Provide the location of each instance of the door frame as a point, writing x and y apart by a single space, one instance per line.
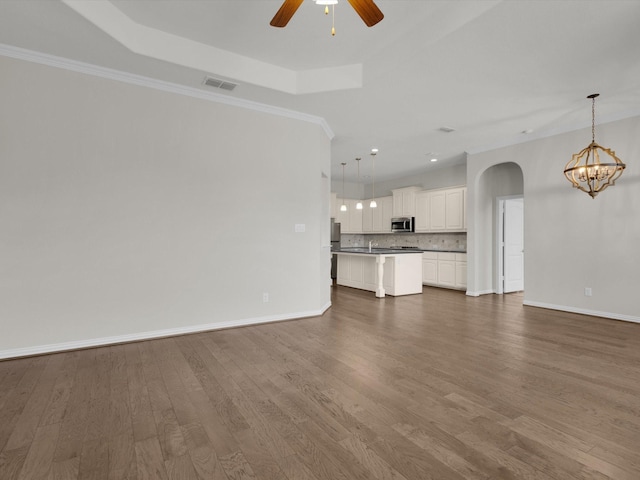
499 241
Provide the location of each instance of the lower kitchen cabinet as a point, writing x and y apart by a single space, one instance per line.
430 268
461 273
445 269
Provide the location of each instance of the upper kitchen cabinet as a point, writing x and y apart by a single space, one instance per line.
377 220
404 201
423 216
367 216
342 217
455 208
447 209
355 217
441 210
382 215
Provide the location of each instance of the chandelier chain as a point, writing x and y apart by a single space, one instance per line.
593 119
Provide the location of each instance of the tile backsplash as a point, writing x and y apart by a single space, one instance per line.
456 242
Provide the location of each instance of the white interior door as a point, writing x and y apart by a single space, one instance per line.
513 245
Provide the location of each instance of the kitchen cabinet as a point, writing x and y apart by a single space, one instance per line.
441 210
404 201
355 217
367 217
437 209
445 269
454 208
423 216
382 215
351 220
461 271
342 217
377 220
446 209
430 268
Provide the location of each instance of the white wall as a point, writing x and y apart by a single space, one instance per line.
127 211
571 240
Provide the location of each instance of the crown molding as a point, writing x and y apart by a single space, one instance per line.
142 81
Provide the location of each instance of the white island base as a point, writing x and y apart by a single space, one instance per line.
384 274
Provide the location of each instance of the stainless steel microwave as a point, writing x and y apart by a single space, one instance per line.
402 224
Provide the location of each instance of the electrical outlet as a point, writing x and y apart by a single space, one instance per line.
587 291
265 297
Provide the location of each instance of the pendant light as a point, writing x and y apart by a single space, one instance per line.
593 176
359 204
343 207
373 203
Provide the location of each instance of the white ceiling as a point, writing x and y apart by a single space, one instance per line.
488 69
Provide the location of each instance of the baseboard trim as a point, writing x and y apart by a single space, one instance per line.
480 292
170 332
583 311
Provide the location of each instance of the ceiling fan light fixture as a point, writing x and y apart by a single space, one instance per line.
366 9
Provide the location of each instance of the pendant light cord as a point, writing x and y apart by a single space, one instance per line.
373 175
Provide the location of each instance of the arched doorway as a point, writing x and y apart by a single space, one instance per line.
495 186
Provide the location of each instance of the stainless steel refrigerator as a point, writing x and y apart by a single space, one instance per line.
335 245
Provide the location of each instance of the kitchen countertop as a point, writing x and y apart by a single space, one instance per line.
376 251
390 251
443 251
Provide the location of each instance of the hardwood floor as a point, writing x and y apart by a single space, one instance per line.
435 386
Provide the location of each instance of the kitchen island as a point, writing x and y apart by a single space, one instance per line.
380 270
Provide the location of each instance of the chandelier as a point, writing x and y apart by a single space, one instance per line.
586 171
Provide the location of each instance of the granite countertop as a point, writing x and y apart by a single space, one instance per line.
443 251
377 251
391 250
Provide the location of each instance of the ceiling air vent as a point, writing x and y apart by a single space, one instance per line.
217 83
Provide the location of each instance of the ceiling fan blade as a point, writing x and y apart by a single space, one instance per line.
282 16
368 11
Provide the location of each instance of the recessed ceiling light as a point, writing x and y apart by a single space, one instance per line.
374 150
434 159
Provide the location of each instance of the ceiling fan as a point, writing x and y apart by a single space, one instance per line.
368 11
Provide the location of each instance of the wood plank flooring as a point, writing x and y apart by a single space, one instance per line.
435 386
